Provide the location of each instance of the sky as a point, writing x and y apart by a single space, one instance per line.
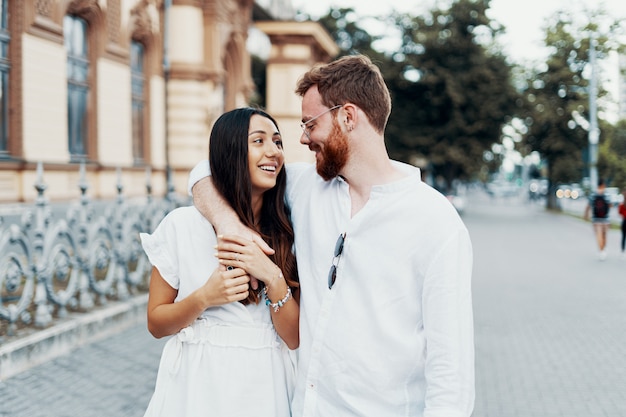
523 19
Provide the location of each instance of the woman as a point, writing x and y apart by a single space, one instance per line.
230 355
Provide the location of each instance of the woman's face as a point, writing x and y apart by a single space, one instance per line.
265 153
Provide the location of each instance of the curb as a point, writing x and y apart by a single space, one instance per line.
84 328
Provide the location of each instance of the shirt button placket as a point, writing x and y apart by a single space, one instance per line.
310 399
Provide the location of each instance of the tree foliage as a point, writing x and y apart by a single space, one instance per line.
453 96
462 96
451 92
612 154
557 95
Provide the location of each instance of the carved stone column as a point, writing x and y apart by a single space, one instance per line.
296 47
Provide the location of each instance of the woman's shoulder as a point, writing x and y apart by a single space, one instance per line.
186 217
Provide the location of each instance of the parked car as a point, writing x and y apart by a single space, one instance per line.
537 188
457 201
572 191
613 195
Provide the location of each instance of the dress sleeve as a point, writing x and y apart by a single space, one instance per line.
160 247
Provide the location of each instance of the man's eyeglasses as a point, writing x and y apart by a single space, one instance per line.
304 126
332 274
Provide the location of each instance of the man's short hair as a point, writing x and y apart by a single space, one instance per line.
351 79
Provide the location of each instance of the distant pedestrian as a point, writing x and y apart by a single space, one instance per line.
599 207
622 211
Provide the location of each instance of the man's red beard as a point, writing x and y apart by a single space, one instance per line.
333 156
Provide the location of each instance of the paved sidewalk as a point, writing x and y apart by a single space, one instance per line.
550 324
109 378
549 317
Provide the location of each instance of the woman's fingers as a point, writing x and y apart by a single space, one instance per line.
236 284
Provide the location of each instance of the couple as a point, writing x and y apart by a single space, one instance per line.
382 285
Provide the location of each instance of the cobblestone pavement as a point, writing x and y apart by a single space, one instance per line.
549 316
109 378
549 325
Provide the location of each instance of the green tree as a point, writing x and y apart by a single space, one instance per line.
450 86
612 154
452 91
343 26
557 96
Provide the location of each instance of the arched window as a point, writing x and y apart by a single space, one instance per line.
75 35
4 78
138 97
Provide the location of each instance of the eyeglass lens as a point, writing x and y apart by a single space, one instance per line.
304 126
332 274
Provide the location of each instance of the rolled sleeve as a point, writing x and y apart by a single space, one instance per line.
201 170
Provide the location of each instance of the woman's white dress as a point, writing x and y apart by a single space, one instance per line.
228 363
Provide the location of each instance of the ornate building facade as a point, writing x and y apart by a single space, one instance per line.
134 86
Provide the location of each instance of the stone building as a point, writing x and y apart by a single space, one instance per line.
133 87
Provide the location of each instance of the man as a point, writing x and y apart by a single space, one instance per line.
599 206
384 261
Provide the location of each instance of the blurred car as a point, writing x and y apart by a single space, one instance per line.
501 188
613 195
572 191
457 201
537 188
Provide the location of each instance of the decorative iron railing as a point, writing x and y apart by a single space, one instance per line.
51 266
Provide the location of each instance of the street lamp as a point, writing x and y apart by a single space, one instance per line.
593 133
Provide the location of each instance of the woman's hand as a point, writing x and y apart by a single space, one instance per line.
224 286
212 205
238 252
166 317
235 251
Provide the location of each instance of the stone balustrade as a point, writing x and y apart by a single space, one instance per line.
88 258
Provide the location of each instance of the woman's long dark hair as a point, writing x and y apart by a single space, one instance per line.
228 156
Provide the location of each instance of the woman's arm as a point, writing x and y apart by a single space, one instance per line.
286 319
166 317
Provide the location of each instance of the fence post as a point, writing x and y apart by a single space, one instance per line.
85 299
42 311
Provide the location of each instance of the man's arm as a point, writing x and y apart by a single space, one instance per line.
212 205
221 215
449 329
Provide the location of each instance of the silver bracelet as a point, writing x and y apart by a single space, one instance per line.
278 304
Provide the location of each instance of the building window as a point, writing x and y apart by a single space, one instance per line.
4 78
138 97
75 34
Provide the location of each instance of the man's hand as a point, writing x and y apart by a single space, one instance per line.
237 252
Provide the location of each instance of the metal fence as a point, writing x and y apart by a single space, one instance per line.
51 266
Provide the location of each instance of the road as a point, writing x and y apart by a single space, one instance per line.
550 324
